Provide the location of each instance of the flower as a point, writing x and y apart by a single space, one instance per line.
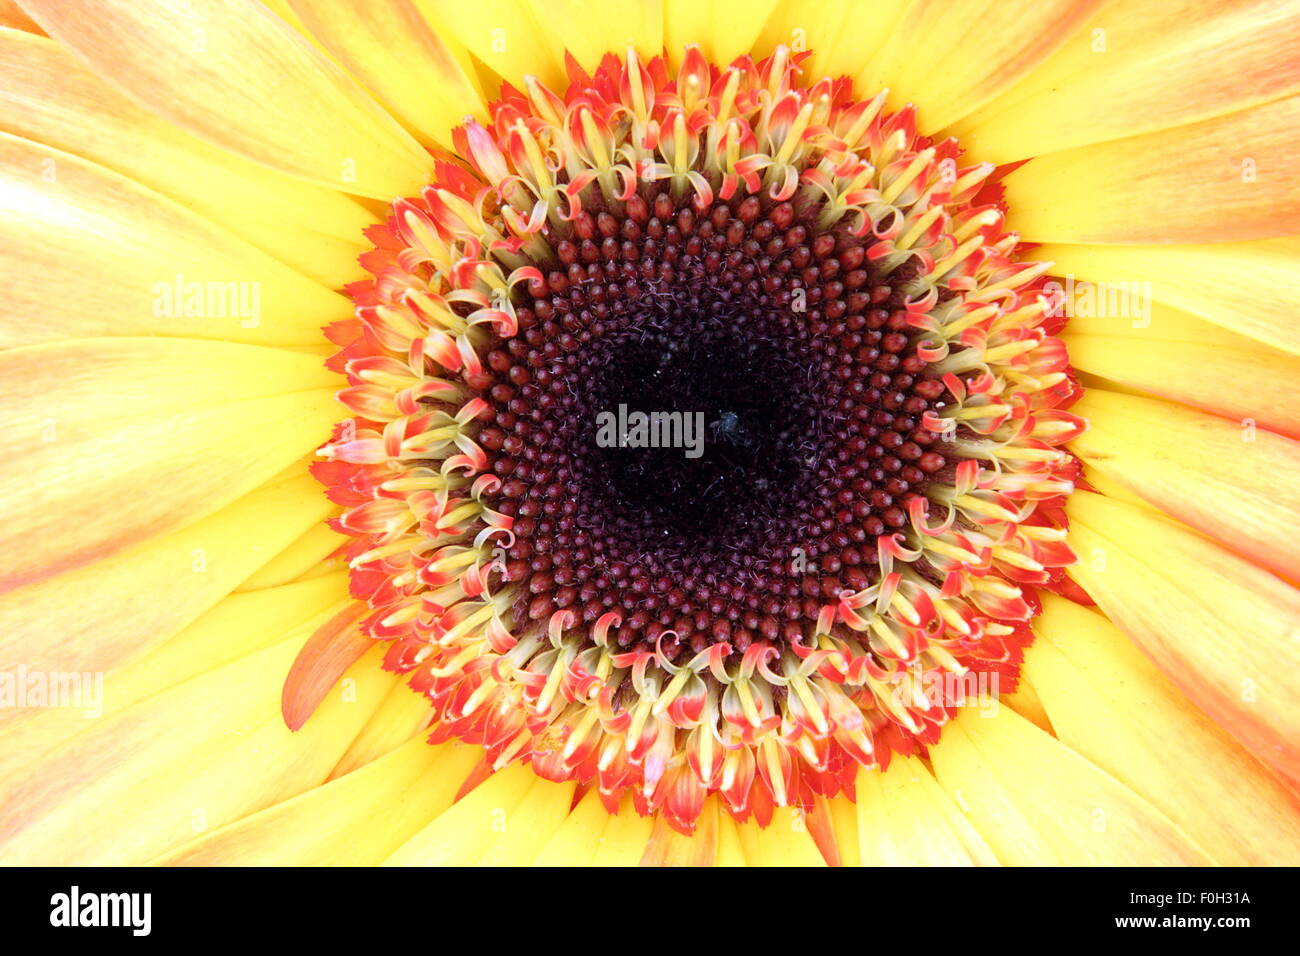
971 538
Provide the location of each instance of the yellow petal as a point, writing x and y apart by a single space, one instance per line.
905 819
526 831
1242 169
590 30
1101 484
50 98
355 820
166 442
403 714
425 82
469 827
89 252
1038 803
1025 702
1236 483
505 35
188 760
1266 271
575 840
1180 357
784 842
305 557
1139 66
624 839
1111 705
110 612
233 73
724 29
926 58
730 851
837 36
844 819
237 627
1221 628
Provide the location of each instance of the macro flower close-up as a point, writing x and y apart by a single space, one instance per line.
650 432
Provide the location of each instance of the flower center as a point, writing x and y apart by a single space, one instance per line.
706 439
782 404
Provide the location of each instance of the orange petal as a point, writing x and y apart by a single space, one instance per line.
233 73
1139 66
1233 177
1223 629
336 646
667 847
12 16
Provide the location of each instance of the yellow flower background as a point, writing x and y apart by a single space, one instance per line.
163 542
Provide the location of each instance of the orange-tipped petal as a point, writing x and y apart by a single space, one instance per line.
356 820
165 423
1222 628
50 98
1233 177
1012 41
110 612
427 83
235 74
1110 704
1139 66
194 758
1265 272
1235 482
90 253
1038 803
1165 352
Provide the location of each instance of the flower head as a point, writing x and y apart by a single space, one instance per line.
708 470
883 469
